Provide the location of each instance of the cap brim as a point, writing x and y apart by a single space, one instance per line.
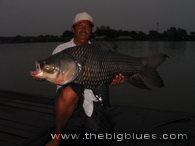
78 22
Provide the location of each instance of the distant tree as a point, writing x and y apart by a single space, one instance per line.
134 35
141 35
154 35
68 34
192 33
192 36
176 34
18 36
123 33
164 35
106 31
172 33
181 34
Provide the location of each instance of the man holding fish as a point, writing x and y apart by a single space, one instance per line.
76 107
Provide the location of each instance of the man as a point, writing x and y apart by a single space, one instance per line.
70 101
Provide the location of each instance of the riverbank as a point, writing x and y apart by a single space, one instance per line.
50 38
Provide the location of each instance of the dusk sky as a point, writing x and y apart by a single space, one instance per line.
53 17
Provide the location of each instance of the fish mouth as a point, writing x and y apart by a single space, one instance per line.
38 72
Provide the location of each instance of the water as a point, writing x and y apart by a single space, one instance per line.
178 72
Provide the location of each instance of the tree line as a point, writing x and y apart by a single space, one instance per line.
107 33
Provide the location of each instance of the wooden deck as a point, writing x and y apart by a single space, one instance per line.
25 119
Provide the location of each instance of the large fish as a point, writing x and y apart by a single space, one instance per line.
96 64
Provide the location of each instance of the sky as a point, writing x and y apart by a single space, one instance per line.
53 17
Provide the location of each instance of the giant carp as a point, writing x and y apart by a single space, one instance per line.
95 64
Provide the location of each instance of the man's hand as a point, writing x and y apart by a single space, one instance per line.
118 80
36 78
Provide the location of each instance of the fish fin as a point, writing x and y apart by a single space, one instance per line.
150 74
138 82
108 46
155 60
153 77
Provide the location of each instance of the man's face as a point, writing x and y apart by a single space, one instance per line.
82 31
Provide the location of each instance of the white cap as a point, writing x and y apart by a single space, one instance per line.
84 16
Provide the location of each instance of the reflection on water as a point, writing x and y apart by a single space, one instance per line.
17 60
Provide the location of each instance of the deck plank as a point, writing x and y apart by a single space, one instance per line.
24 112
29 107
15 131
3 99
25 118
10 139
15 125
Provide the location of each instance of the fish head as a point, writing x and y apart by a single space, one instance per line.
57 69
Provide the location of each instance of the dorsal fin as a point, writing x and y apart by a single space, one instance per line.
107 46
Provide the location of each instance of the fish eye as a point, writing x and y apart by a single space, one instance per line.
46 67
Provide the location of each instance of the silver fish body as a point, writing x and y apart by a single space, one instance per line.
94 65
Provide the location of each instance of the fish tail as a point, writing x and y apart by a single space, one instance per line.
150 73
155 60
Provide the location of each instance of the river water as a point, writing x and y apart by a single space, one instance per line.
17 60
